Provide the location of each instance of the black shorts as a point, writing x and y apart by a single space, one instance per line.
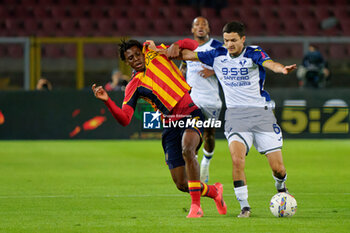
172 140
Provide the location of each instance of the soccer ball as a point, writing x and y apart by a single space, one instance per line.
283 205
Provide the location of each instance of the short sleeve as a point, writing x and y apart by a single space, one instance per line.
207 57
258 55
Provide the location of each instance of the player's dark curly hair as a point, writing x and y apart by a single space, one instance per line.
127 44
234 26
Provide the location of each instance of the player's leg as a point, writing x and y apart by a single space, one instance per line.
179 177
208 150
209 141
195 187
238 151
190 142
279 171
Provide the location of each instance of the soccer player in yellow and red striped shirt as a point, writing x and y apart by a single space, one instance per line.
157 80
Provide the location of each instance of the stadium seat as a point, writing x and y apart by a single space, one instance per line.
302 3
345 27
92 51
86 27
21 12
324 2
15 51
137 3
58 12
273 27
77 12
208 13
229 14
284 3
106 27
49 27
268 13
98 13
124 27
304 13
181 27
255 28
51 51
156 3
67 2
337 51
280 51
109 51
216 25
40 12
189 13
291 27
68 27
311 28
135 13
152 12
70 50
116 13
286 13
31 27
250 3
142 27
341 2
85 2
162 27
342 13
4 12
268 3
295 50
322 12
170 12
14 26
248 14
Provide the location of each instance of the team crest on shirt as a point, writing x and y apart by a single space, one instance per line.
242 62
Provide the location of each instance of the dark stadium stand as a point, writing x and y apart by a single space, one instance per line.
167 18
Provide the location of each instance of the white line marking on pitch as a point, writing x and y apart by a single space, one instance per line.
148 195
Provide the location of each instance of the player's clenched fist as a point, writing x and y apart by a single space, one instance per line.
100 93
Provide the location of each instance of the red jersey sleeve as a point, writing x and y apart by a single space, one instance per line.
187 44
123 115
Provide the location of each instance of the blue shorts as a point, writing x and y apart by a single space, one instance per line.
172 141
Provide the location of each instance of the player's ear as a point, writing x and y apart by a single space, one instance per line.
243 39
192 31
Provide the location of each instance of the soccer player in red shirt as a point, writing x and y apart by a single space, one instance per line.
157 80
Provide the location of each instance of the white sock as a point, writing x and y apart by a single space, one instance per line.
207 155
280 183
242 196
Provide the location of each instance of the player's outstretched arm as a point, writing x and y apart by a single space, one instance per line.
123 116
278 67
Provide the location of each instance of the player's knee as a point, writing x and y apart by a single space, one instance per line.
237 159
188 152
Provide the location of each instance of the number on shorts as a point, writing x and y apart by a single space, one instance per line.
276 128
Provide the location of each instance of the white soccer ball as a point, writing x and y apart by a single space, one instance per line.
283 205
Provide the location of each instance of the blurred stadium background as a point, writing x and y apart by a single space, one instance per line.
73 43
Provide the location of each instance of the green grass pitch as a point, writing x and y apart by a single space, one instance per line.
125 186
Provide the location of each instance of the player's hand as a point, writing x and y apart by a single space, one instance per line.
288 69
173 51
151 45
206 73
100 93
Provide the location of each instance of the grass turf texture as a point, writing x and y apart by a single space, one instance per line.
125 186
